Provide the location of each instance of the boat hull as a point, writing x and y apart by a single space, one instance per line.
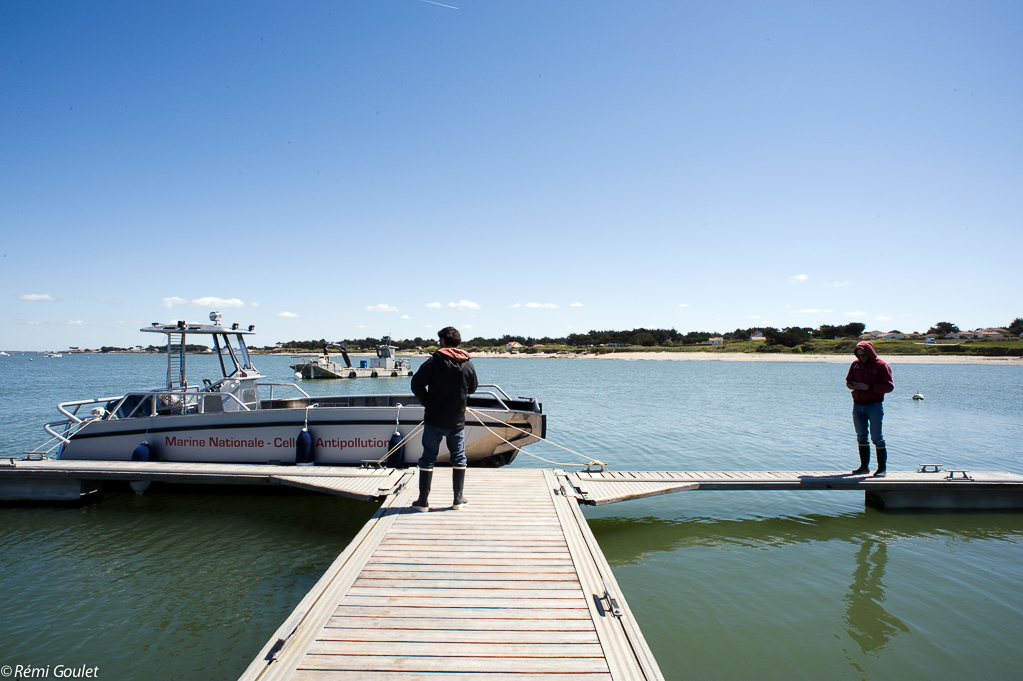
341 436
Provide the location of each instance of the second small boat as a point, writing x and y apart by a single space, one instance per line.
385 364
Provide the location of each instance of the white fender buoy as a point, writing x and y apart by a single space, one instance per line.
139 486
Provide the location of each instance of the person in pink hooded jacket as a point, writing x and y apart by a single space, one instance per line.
869 378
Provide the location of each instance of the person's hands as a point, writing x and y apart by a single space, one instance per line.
861 386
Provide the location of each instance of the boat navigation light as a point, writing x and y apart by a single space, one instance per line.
215 317
234 327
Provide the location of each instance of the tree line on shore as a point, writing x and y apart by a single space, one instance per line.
788 337
641 337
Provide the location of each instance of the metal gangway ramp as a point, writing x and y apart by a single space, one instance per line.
513 586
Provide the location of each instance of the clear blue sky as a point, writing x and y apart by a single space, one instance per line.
351 169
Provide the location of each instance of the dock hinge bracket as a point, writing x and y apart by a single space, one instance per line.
286 634
612 599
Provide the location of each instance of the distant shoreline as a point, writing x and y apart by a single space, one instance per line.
762 357
649 356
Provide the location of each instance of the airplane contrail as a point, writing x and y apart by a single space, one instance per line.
439 3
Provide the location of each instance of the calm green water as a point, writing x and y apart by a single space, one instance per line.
726 585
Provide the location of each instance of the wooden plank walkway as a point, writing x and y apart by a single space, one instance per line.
513 586
608 487
356 483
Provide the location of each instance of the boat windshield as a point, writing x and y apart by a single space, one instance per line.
234 351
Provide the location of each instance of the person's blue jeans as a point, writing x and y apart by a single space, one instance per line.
431 444
867 419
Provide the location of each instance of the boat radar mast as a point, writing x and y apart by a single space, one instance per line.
229 343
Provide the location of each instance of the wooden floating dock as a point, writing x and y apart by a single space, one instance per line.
927 488
66 480
514 586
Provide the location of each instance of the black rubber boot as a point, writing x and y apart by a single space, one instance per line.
425 478
882 461
458 484
864 461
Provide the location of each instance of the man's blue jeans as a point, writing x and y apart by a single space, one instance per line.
867 419
431 444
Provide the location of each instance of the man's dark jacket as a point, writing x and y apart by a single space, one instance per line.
443 385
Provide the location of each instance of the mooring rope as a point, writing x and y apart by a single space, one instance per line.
590 461
401 442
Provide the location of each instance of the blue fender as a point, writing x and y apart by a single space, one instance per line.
304 449
397 457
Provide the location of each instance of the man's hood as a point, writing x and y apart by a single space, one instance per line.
456 354
869 347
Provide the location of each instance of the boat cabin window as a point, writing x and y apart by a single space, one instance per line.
235 351
242 352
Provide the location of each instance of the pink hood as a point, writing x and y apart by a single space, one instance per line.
869 347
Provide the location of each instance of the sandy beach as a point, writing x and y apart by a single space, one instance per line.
765 357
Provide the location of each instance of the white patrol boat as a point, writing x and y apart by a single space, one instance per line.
237 418
385 364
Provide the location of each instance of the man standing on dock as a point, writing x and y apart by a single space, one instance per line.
869 378
443 385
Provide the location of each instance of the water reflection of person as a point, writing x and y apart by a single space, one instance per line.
867 622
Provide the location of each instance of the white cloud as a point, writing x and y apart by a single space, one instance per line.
173 301
75 322
839 284
128 321
287 315
464 305
756 316
798 279
364 326
434 306
854 314
516 305
212 301
543 306
683 304
405 316
812 310
882 319
253 304
576 305
467 326
36 297
382 307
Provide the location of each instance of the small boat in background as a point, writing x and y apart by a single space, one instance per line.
385 364
52 354
918 396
